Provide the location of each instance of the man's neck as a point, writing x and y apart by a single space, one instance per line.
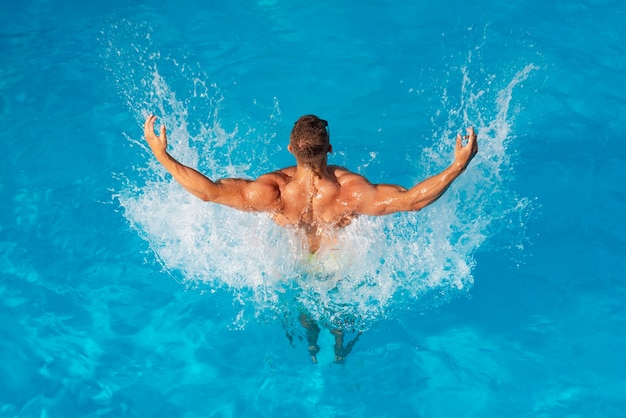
308 170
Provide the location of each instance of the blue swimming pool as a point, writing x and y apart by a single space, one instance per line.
123 296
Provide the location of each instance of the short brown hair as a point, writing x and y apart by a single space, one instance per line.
309 139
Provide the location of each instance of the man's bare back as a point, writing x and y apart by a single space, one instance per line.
313 197
316 202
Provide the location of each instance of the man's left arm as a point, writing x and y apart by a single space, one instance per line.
384 199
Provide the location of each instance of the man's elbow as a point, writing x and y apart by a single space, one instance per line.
204 196
419 205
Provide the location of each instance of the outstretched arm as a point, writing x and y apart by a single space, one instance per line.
384 199
258 195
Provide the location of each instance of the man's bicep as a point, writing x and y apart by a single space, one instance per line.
382 199
231 192
258 195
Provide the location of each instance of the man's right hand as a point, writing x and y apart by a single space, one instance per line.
158 144
463 154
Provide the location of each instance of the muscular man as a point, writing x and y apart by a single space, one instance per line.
312 196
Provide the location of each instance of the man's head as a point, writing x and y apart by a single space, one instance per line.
309 141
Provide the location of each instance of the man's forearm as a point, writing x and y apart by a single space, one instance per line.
431 189
193 181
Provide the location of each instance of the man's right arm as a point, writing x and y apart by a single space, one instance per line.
260 195
192 180
384 199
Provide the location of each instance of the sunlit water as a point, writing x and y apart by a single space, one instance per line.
122 295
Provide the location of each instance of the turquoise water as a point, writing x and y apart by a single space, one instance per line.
123 296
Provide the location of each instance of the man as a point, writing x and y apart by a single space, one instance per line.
313 197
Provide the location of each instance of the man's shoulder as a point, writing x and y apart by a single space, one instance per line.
287 171
349 179
338 170
344 173
278 175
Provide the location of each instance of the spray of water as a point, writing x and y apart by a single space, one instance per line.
379 265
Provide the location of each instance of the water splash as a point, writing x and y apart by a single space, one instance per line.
379 264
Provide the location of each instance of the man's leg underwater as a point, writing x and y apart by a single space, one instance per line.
338 344
342 352
312 334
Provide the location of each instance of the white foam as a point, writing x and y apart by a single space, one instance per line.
383 264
